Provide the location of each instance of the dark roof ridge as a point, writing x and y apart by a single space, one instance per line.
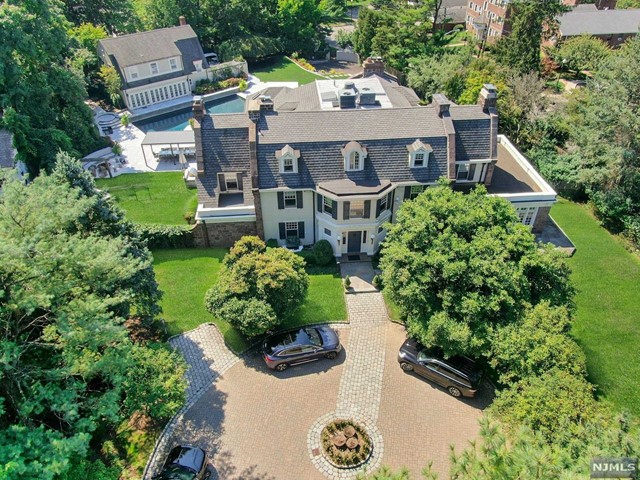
148 31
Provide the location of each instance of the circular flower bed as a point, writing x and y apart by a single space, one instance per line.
346 444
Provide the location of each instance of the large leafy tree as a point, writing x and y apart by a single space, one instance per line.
42 98
115 15
583 52
70 275
530 20
461 266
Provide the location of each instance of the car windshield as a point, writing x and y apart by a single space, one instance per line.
314 336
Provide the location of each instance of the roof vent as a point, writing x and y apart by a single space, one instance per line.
349 85
347 98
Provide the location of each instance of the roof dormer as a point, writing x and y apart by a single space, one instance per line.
354 155
419 154
288 159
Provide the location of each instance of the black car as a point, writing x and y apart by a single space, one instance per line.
300 345
185 463
459 375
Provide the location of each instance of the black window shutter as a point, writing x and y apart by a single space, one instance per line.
378 208
319 198
367 208
280 200
283 232
334 209
300 229
239 176
407 192
299 198
345 210
222 185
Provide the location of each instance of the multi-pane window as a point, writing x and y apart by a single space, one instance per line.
287 165
290 200
291 229
383 204
527 215
418 160
327 205
354 161
154 68
173 63
356 209
415 191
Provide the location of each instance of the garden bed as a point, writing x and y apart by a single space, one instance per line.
346 444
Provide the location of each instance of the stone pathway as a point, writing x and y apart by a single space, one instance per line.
207 357
360 388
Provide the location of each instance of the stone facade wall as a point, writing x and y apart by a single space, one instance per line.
221 234
541 219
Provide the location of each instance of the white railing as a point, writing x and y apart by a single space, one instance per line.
242 213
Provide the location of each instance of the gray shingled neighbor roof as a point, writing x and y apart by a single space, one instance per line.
7 152
599 22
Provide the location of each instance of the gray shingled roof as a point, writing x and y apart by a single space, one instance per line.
144 47
599 22
7 152
346 125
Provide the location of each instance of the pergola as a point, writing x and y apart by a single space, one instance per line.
180 141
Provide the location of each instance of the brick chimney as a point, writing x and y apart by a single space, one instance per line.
488 98
198 115
441 102
182 20
373 65
198 107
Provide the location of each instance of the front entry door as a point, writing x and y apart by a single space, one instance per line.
353 242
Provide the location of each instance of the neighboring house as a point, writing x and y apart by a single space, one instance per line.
613 27
7 151
452 13
491 19
335 160
157 65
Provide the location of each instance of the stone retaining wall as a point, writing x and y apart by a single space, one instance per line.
221 234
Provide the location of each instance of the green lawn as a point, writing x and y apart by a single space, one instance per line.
607 324
159 197
283 70
186 274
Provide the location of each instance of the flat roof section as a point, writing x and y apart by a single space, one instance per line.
510 177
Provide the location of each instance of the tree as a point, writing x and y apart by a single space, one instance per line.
112 83
115 15
520 50
66 288
624 4
42 98
462 266
440 74
537 343
583 52
252 273
299 22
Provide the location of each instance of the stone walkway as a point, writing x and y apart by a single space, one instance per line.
207 357
360 388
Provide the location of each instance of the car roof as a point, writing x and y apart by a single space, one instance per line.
186 456
289 338
464 365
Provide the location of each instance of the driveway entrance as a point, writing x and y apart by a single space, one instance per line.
354 242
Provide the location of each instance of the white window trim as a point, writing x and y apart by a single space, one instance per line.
324 205
353 213
151 68
294 162
292 196
425 163
468 166
290 227
133 73
350 149
173 64
234 179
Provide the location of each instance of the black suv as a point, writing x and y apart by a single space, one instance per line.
185 463
459 375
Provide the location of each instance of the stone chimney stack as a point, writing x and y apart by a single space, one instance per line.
442 103
488 98
198 115
198 108
182 20
373 65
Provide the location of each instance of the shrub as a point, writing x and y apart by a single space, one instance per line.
242 86
251 317
322 253
347 282
554 404
95 470
272 243
377 282
245 246
166 236
125 120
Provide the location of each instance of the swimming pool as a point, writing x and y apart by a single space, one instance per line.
179 119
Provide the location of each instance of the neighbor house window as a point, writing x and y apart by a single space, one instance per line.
356 209
154 68
415 191
133 72
465 171
290 200
174 64
327 206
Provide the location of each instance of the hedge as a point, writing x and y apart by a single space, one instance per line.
167 236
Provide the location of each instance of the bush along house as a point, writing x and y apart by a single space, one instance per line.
335 160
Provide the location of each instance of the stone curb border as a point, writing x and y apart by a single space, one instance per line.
325 467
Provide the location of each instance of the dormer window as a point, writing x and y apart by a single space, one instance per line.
173 63
354 155
419 154
288 159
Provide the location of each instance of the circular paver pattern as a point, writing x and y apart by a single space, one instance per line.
314 445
